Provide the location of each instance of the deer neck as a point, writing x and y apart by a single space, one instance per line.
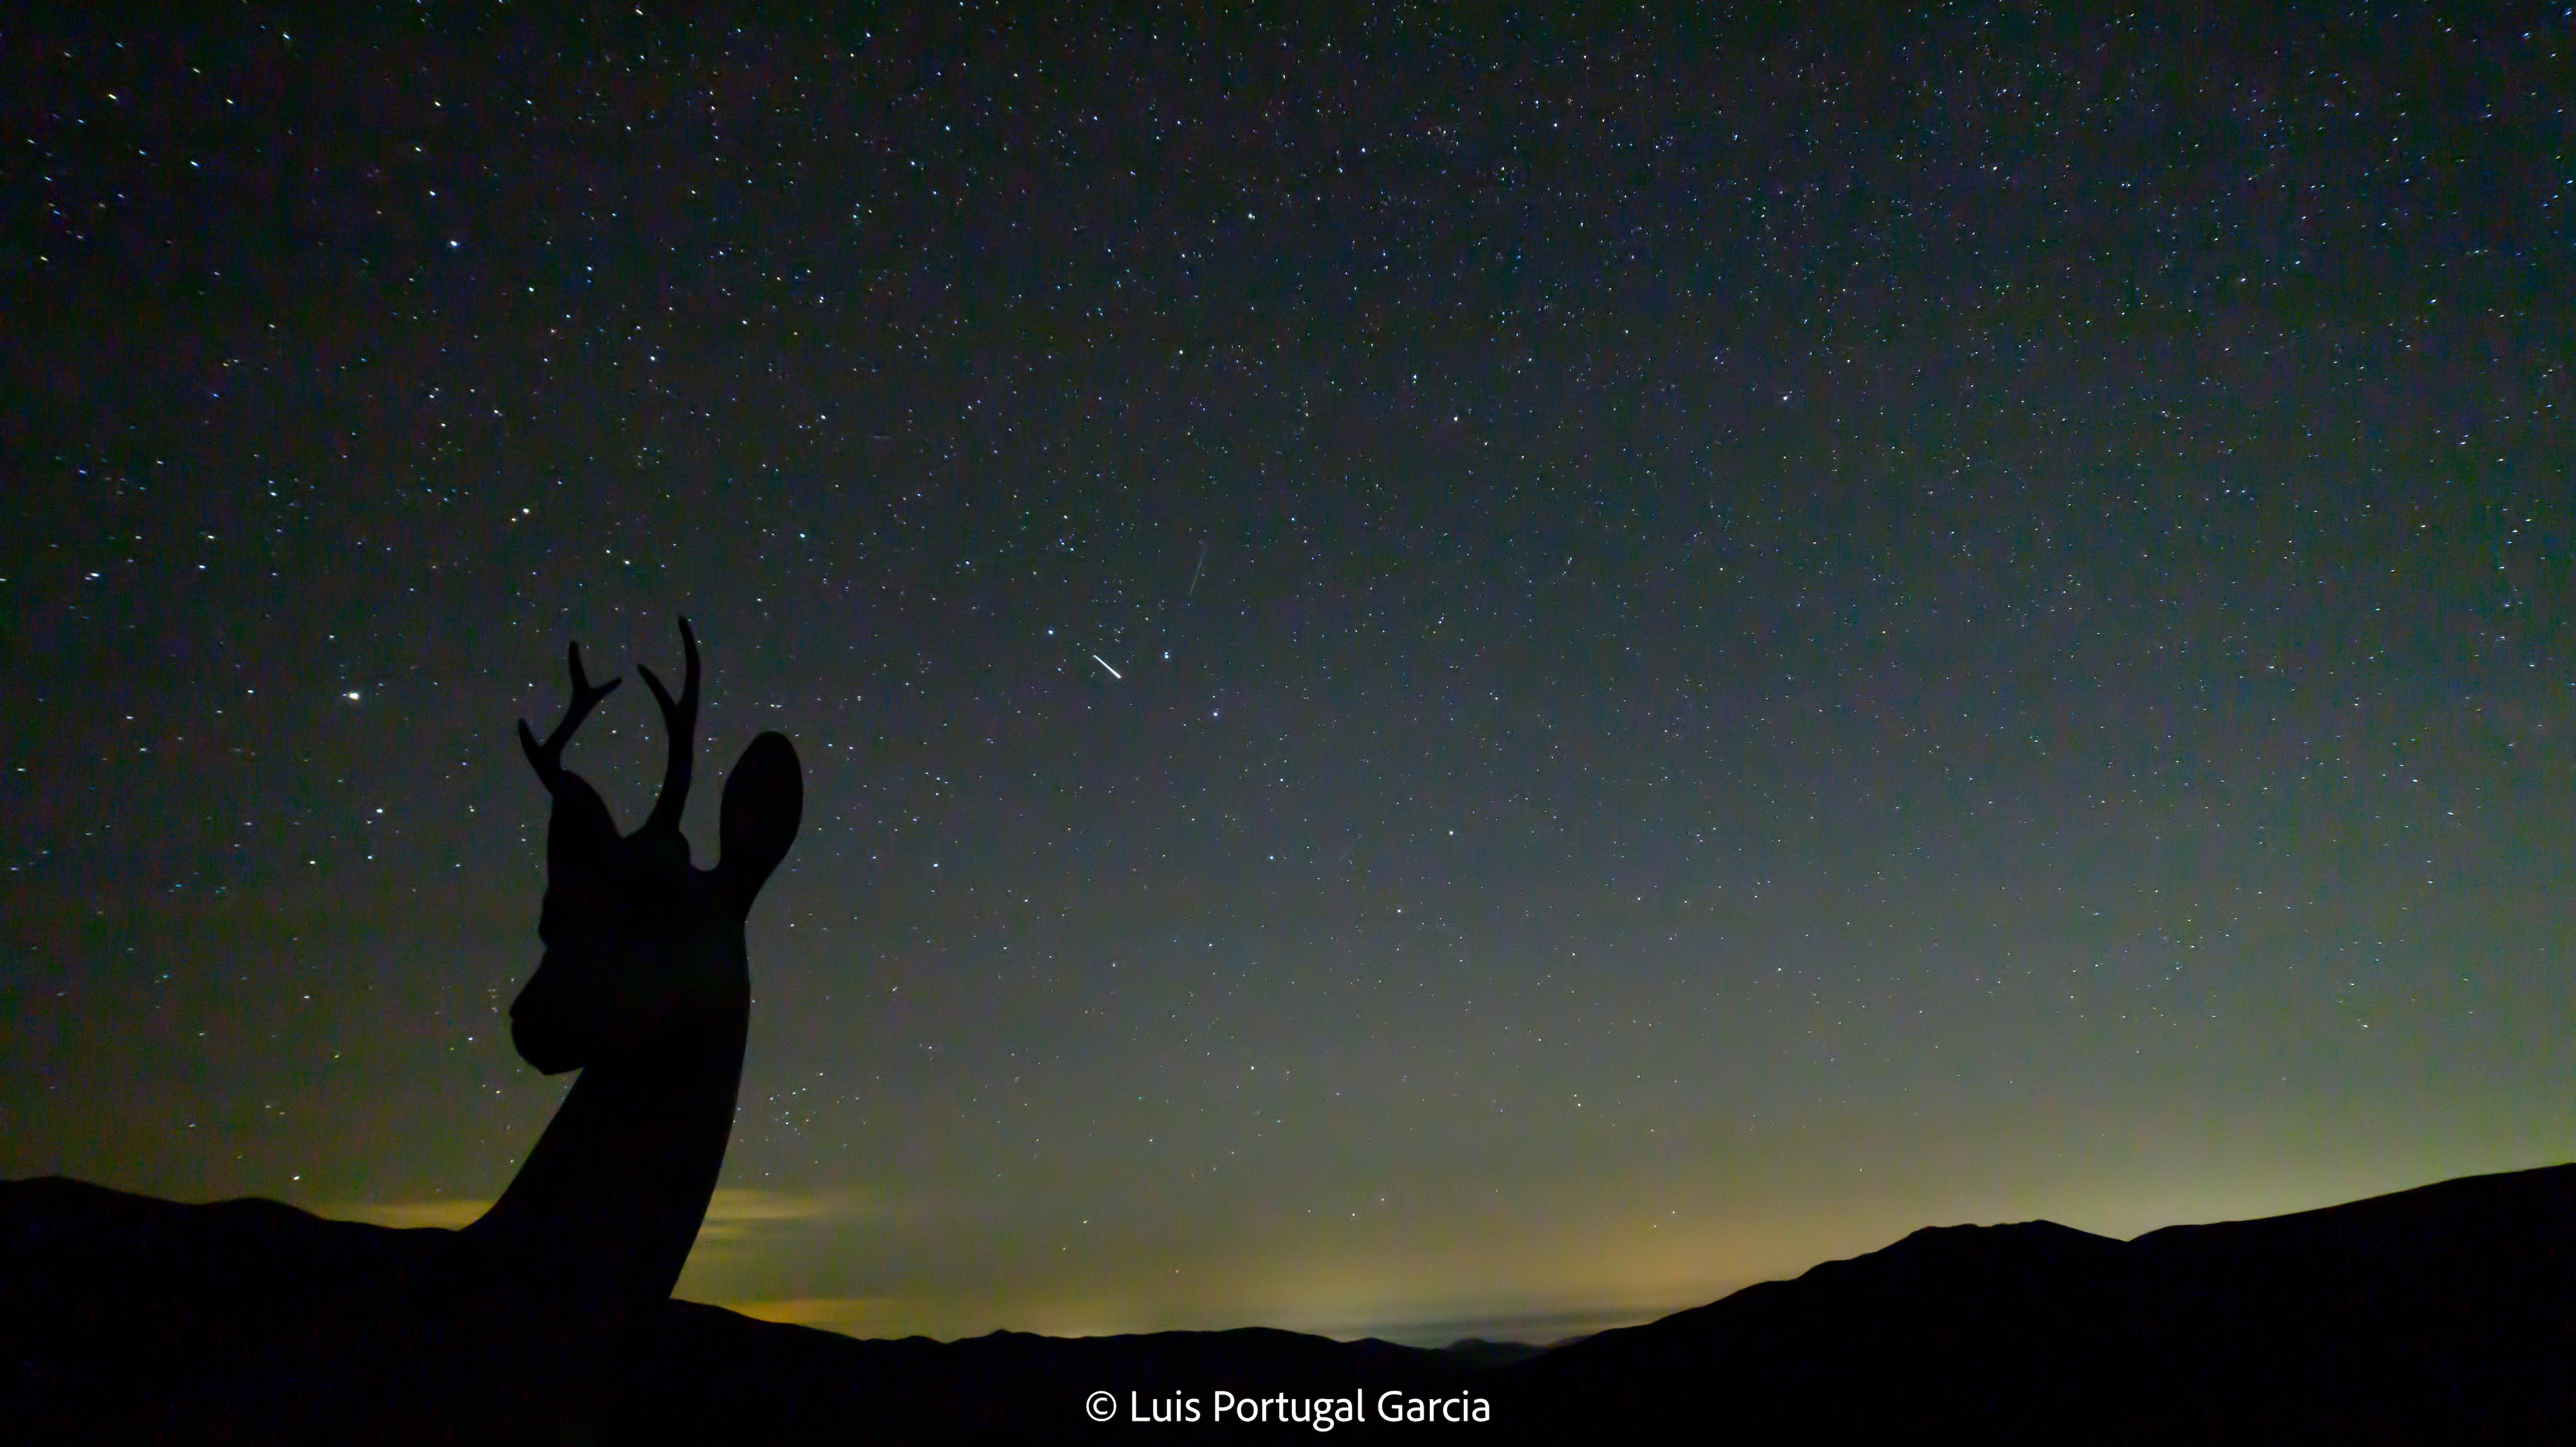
610 1201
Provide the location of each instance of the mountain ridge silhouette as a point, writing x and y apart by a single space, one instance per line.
2442 1311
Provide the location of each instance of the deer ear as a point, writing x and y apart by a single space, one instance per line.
580 836
764 798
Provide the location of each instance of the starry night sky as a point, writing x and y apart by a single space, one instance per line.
1726 642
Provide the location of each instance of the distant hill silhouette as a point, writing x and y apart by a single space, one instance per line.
2443 1313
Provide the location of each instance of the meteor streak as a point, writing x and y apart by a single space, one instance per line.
1103 662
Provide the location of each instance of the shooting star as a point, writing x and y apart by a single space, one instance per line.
1201 567
1103 662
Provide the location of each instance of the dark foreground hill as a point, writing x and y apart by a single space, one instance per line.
2443 1313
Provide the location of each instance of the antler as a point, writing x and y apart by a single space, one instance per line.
681 719
547 757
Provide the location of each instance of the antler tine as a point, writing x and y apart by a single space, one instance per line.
681 719
547 758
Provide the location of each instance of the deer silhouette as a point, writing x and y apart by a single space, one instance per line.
251 1321
645 988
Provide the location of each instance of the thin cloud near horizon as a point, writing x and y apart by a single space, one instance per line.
732 1212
